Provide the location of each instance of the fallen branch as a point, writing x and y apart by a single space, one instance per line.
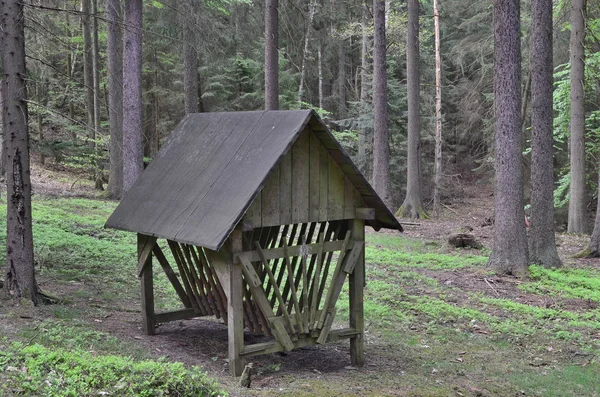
490 285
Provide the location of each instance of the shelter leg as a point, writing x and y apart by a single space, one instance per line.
235 313
357 285
148 319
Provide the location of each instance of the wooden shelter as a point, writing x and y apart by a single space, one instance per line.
264 216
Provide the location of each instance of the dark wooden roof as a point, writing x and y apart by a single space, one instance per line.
214 164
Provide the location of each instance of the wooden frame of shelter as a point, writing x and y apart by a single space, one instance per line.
264 216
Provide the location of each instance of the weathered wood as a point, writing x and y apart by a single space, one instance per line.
337 230
348 199
303 341
183 274
300 178
175 315
213 280
365 213
337 281
310 249
253 215
204 283
275 262
270 200
144 252
178 254
316 282
286 190
314 179
329 317
353 256
273 283
147 287
336 192
323 184
356 297
282 269
235 320
294 295
162 260
281 334
198 285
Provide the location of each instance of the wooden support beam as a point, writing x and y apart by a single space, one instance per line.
160 257
235 316
367 214
147 286
175 315
147 243
356 292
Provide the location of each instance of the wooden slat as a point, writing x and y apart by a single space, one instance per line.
281 334
282 268
198 285
273 283
323 183
355 291
300 178
235 317
253 214
292 288
314 178
336 192
270 200
275 264
336 228
175 315
217 291
327 325
314 305
352 258
311 249
257 291
285 189
184 276
365 213
162 260
204 283
348 199
144 252
303 341
147 287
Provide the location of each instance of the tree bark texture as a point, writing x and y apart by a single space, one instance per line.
132 94
97 95
312 8
509 253
381 148
2 151
364 132
271 55
341 79
20 275
438 112
88 67
542 244
114 44
190 57
594 247
413 204
577 221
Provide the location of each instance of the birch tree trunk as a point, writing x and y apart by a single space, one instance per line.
132 94
20 280
577 221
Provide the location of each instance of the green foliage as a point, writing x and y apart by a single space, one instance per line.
425 260
37 370
566 282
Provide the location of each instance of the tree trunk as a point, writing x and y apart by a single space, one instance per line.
593 250
577 222
88 68
341 81
114 44
2 151
509 254
364 131
20 274
438 112
132 94
96 75
381 148
320 71
413 204
312 8
271 55
190 57
542 244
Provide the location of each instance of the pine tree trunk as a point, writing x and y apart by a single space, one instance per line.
542 244
341 80
114 44
320 71
381 148
364 132
271 55
20 274
132 94
88 68
190 58
577 222
2 151
412 207
438 112
96 75
312 8
509 253
593 250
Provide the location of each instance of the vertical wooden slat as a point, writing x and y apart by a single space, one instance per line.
147 287
348 199
218 292
270 200
198 285
285 189
356 289
205 286
300 178
294 295
275 262
336 191
335 230
294 263
253 214
190 277
235 315
314 306
314 178
323 183
184 277
282 268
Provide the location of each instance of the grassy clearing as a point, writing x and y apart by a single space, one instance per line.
424 336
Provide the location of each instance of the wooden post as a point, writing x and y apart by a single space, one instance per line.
147 286
235 314
357 285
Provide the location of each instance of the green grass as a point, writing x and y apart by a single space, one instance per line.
426 260
564 283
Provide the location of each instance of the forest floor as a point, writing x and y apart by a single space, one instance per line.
437 322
